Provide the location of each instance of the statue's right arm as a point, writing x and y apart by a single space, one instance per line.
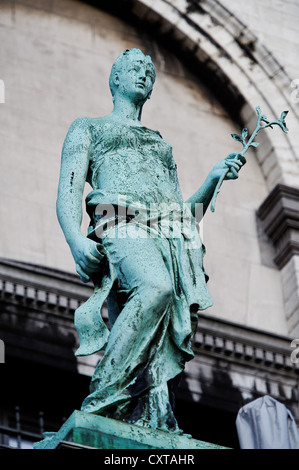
73 172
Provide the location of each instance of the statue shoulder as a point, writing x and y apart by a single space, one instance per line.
81 124
79 132
78 138
87 124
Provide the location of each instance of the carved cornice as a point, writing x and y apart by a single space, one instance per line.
279 214
235 364
41 288
244 345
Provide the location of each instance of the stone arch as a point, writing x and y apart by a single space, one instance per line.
245 70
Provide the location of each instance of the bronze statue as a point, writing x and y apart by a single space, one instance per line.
154 283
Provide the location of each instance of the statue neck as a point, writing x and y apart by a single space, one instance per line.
124 109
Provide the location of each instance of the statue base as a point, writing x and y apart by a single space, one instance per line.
89 431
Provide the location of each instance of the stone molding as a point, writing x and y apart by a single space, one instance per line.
244 345
280 217
40 287
234 365
37 307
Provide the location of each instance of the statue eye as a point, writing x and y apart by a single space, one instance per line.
135 68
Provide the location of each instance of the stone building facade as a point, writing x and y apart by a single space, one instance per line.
216 61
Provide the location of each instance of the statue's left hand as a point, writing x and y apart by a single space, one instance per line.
233 162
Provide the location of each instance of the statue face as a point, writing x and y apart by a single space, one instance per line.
136 78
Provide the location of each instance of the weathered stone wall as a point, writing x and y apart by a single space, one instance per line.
275 23
55 61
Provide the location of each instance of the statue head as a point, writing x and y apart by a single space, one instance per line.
127 66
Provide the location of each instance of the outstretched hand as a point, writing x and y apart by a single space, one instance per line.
233 162
87 257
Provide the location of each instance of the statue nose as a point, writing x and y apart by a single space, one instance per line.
142 74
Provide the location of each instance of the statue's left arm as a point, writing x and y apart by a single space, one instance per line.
205 193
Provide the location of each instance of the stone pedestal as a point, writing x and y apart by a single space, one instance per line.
86 430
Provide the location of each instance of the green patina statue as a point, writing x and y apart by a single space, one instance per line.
149 270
